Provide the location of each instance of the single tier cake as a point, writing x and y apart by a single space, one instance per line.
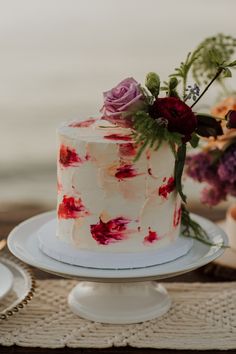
106 201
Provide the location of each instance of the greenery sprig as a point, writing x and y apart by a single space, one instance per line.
151 133
183 71
220 67
222 48
191 228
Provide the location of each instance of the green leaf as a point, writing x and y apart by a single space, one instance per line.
233 63
179 167
208 125
194 140
227 72
140 151
206 132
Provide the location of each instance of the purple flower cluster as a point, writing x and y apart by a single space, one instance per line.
219 174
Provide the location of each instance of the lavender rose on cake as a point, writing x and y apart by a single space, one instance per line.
121 100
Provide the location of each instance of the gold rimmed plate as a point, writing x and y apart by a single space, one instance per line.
23 286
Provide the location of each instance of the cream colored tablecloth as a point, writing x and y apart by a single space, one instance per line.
202 316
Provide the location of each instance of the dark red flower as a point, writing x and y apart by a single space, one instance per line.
231 119
180 118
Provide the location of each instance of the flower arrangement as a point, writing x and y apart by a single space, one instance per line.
215 164
159 113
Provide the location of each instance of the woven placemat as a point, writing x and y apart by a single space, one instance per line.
202 316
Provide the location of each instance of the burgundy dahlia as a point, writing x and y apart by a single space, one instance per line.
179 116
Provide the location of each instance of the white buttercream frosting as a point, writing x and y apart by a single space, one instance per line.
106 201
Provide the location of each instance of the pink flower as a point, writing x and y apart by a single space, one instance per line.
124 97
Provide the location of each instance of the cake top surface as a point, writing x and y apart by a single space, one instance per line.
95 130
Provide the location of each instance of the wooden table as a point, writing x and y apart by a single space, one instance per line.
11 215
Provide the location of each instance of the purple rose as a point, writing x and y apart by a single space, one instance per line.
124 97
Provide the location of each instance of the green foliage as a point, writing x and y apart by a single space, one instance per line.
191 228
183 70
213 52
184 67
210 61
179 167
148 132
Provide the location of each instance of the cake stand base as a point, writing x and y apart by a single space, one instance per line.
119 303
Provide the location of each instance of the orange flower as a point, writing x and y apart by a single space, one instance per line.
222 108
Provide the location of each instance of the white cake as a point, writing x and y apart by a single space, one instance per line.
106 201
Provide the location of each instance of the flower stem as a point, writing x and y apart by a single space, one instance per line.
184 88
219 71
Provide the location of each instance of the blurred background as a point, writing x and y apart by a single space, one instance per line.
58 56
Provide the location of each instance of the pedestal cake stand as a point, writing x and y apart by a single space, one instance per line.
118 296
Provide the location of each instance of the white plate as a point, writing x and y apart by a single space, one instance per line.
23 243
6 280
22 289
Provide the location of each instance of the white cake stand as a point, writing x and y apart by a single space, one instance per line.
115 296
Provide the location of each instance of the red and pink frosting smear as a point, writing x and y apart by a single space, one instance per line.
68 157
84 124
166 188
111 231
151 237
177 216
126 171
71 208
118 137
127 150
